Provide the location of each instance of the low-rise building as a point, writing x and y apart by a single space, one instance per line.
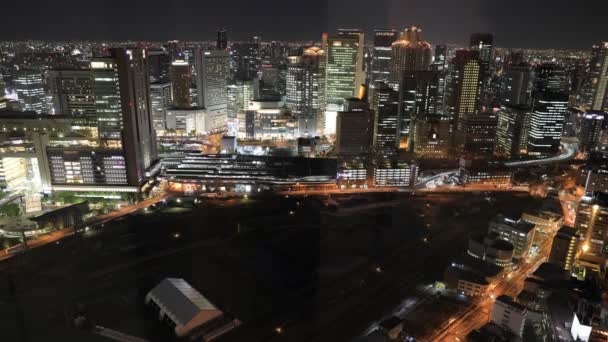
491 249
509 315
544 220
478 171
186 310
519 233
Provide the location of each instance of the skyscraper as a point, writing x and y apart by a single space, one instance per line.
549 113
212 73
517 87
341 69
159 62
409 53
355 129
72 92
551 77
381 55
360 35
181 77
598 72
466 81
590 130
121 86
30 90
592 223
476 133
441 57
385 103
511 131
246 58
305 92
484 44
160 101
222 39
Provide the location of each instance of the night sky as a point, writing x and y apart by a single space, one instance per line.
515 23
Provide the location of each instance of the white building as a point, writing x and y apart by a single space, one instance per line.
509 315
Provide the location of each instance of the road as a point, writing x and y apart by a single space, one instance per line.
478 314
57 235
569 152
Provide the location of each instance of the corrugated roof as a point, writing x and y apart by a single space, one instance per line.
181 300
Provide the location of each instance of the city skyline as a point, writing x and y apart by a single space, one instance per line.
443 22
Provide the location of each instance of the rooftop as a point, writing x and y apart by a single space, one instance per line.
519 225
509 301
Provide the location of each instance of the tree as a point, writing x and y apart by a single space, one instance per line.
10 210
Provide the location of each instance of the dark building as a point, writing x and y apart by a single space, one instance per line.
222 39
385 103
181 78
355 129
512 131
517 86
549 113
550 77
564 248
590 130
477 134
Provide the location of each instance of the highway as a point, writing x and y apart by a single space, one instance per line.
569 151
478 314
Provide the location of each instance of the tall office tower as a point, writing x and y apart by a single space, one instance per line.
340 70
212 72
592 223
517 86
549 112
160 101
418 98
590 130
247 59
159 61
598 78
381 55
305 93
122 99
181 77
484 44
551 77
30 90
564 248
512 131
466 81
355 129
72 92
360 35
222 39
385 103
477 133
409 53
441 57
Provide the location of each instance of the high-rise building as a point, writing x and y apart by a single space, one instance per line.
222 39
341 70
409 53
564 248
122 100
466 81
547 120
598 78
512 131
305 93
441 57
550 77
355 129
484 43
159 62
592 223
385 103
476 133
590 130
517 87
360 35
160 101
246 59
181 77
30 90
418 98
431 136
212 73
381 55
72 92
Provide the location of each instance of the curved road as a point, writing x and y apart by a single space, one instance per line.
569 152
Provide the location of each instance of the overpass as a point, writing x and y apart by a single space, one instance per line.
569 151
